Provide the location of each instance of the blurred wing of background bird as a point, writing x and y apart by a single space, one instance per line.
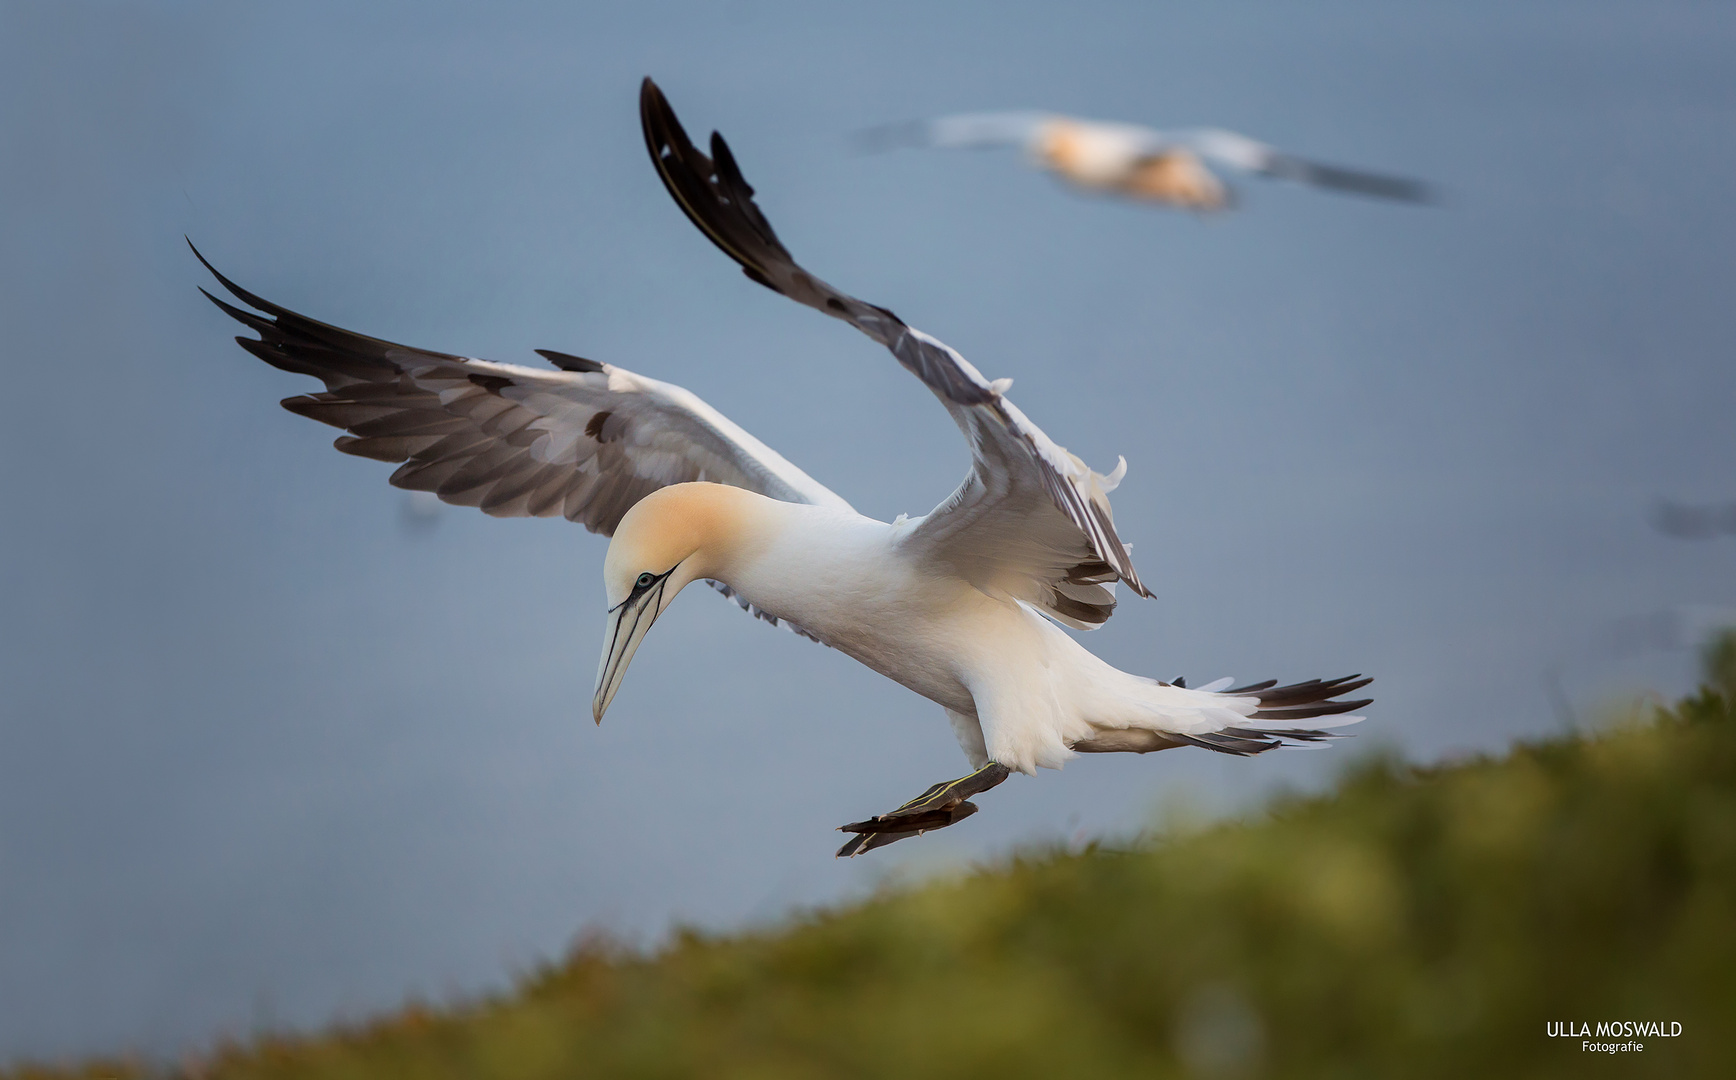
1228 149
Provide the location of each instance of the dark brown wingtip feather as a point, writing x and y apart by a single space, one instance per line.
1300 701
1355 181
1252 687
1303 693
320 348
246 318
739 193
280 358
713 194
235 290
670 148
1306 712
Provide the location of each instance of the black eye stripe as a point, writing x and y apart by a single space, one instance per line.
644 582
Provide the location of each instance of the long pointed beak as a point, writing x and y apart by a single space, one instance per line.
628 622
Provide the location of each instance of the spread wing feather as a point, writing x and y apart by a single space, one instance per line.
585 441
1031 520
1250 155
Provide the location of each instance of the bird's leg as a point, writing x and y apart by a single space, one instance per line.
941 805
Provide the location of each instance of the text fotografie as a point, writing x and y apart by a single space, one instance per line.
1614 1029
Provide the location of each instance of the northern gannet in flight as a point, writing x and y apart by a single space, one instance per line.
963 606
1170 167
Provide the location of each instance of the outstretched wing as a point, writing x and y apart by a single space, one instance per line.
586 441
972 131
1250 155
1031 520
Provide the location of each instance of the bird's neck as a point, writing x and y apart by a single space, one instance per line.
722 528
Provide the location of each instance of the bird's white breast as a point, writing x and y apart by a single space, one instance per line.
844 578
1089 154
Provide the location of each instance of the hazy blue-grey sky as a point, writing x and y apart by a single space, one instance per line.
271 752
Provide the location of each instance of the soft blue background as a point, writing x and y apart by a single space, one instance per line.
271 752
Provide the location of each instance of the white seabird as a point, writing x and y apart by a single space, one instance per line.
964 605
1170 167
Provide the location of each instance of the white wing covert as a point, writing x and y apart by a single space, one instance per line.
1031 520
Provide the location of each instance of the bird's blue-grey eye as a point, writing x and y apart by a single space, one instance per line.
646 578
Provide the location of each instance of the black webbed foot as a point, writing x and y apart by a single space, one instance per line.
943 804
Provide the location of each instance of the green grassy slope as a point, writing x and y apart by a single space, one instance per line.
1414 922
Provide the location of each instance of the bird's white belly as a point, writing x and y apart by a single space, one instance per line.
919 657
1027 683
857 594
1086 154
980 657
908 634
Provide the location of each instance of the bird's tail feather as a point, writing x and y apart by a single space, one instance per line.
1276 719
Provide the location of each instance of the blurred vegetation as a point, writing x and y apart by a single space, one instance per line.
1414 922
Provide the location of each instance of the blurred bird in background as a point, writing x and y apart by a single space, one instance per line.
1172 168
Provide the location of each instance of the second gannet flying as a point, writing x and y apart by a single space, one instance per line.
1171 167
964 605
